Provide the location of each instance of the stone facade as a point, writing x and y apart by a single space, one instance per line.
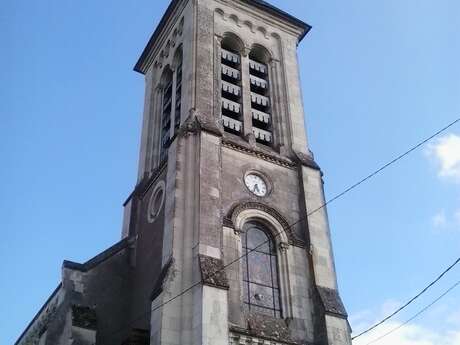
177 277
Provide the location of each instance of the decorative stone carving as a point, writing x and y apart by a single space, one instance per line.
263 31
209 124
262 330
332 302
195 123
306 160
246 51
283 246
237 232
167 49
180 27
239 22
265 326
249 25
170 42
244 339
235 19
189 126
213 272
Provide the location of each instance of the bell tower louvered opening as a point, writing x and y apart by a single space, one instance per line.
166 106
260 97
231 93
178 90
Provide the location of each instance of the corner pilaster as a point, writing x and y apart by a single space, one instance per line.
334 314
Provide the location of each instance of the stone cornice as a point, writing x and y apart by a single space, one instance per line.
158 37
144 185
269 157
271 15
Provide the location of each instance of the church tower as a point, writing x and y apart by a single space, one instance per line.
225 240
226 181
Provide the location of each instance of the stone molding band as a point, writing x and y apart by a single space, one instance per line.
230 219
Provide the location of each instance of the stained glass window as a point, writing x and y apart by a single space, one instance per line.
261 292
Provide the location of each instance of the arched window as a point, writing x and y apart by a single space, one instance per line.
178 88
261 292
171 103
167 87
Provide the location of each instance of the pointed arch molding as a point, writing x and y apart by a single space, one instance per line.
287 232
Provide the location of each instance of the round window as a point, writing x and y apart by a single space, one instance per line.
156 202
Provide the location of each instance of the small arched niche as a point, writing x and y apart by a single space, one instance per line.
177 60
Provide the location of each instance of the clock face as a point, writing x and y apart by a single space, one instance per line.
256 184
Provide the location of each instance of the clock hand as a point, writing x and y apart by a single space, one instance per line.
256 188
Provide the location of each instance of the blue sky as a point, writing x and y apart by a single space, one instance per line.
377 77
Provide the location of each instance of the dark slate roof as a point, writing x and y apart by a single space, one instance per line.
258 3
276 11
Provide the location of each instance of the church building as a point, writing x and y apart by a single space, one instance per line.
225 238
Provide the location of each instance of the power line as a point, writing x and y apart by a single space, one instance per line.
397 311
416 315
346 191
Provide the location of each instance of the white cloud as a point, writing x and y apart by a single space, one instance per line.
454 319
443 221
457 217
446 151
411 334
439 220
389 306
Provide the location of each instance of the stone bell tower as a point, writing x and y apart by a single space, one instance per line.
224 237
226 181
